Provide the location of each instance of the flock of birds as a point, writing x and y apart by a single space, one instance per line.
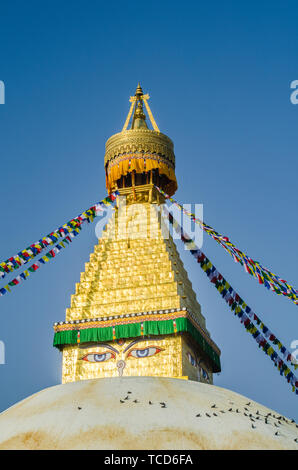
269 418
163 404
254 417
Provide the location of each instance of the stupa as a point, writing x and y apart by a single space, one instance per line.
137 358
134 312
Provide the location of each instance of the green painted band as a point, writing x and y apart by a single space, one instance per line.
132 330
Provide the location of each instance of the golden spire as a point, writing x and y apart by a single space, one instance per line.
137 104
139 118
139 91
139 155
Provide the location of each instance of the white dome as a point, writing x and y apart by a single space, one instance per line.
115 413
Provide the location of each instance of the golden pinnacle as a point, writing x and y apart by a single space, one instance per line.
139 91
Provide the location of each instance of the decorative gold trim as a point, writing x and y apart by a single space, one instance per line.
139 140
139 156
137 318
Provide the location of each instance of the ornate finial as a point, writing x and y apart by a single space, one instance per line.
139 113
139 118
139 91
139 150
137 106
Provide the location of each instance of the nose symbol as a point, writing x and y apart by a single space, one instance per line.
120 367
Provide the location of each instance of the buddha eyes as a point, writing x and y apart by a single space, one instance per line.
145 352
202 373
106 356
99 357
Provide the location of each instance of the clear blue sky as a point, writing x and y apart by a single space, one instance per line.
219 77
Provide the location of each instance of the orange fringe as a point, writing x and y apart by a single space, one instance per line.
123 168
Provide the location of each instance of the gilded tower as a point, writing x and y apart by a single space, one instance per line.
134 312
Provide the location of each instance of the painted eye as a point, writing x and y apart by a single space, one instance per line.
98 357
205 374
146 352
191 359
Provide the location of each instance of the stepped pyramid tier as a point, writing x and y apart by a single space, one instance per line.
134 311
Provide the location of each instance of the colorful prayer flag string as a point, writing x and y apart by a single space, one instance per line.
36 248
71 233
264 276
37 264
241 309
